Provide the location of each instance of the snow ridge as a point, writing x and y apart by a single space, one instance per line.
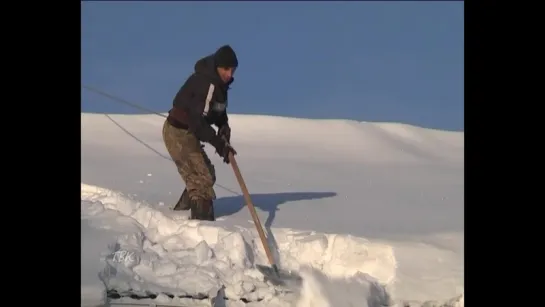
184 259
412 182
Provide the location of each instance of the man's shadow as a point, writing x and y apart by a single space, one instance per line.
268 202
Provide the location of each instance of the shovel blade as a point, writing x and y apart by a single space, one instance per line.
280 277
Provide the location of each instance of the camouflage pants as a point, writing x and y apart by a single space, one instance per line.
194 166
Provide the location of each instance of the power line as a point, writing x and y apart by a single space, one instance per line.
134 105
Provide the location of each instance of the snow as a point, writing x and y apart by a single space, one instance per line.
369 214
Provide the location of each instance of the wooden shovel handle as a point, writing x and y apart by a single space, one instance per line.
251 207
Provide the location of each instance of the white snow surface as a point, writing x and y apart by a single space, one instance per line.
369 214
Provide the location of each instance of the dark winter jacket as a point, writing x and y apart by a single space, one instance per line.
201 102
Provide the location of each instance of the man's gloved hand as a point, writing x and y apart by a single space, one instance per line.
225 131
223 148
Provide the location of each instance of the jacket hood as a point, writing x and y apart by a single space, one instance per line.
207 66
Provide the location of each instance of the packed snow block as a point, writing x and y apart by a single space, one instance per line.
169 261
162 276
336 255
350 255
144 294
233 250
457 301
163 260
362 290
161 299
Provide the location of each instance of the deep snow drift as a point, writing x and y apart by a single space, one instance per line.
369 213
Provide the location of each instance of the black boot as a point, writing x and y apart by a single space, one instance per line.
183 203
202 210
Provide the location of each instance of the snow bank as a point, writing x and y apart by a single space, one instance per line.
167 253
398 184
369 142
360 289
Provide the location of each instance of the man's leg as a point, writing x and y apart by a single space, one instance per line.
194 167
171 138
208 211
200 185
184 203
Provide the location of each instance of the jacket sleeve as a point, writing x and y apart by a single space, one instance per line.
192 98
222 120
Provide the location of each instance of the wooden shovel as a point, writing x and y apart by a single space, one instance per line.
273 274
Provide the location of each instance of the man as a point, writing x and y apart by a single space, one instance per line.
200 103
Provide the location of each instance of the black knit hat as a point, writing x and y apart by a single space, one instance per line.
225 57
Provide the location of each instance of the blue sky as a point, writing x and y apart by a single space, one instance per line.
367 61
